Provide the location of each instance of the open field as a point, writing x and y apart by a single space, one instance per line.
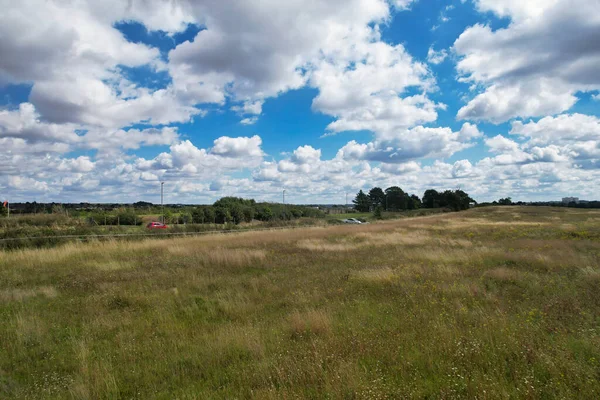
488 303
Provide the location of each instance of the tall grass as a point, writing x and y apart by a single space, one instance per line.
491 303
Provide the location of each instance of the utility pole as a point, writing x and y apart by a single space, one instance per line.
162 207
283 196
346 200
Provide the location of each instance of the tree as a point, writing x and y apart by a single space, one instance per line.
377 197
505 202
296 212
264 213
222 215
128 217
227 202
168 216
416 202
237 214
362 202
209 215
248 213
3 211
198 215
412 202
185 217
431 199
377 212
395 198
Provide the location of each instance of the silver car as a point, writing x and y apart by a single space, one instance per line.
351 221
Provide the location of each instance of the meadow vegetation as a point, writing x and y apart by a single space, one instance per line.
496 302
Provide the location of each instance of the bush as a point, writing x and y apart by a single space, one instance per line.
377 212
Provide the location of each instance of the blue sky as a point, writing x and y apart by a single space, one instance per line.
102 102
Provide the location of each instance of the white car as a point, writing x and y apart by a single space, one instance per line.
351 221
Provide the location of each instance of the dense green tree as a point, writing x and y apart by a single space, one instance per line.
377 197
431 199
412 202
505 202
227 202
198 215
222 215
456 200
248 213
264 213
362 202
395 199
416 201
236 212
185 217
209 215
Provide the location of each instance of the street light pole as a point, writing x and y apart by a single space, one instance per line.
283 196
346 200
162 207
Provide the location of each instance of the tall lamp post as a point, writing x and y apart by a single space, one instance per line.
283 196
162 207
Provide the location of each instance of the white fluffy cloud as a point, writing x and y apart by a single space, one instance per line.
366 90
247 52
436 57
576 135
26 124
416 143
71 53
536 65
238 147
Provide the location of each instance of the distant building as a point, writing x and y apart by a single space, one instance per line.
567 200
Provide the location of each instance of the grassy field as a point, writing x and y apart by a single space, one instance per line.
488 303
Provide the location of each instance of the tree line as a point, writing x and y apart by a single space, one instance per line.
396 199
237 210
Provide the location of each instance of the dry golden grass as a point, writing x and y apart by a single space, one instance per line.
324 245
22 294
376 275
111 265
396 238
315 322
219 255
474 222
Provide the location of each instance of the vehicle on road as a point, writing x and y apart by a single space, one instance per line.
156 225
352 221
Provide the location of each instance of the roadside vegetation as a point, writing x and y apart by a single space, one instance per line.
495 302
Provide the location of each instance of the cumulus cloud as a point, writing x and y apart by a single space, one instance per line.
256 50
306 155
536 65
81 100
367 90
26 124
415 143
436 57
575 135
238 147
71 52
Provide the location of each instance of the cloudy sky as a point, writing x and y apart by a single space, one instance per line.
102 100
